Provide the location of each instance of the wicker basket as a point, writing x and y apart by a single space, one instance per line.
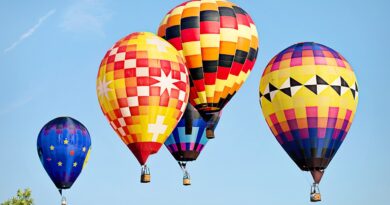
145 178
186 182
315 197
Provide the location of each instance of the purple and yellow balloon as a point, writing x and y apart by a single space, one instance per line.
309 95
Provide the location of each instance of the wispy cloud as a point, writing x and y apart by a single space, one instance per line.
30 31
16 104
86 16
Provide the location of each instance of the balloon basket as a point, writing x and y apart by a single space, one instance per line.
210 134
315 195
145 174
186 181
145 178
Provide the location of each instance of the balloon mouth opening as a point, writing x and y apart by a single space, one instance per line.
317 175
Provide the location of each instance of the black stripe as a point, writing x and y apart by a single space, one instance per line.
210 66
190 22
239 10
223 57
225 60
188 120
252 54
226 11
240 56
241 53
239 59
172 32
196 73
209 16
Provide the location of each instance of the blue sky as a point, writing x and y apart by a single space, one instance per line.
50 52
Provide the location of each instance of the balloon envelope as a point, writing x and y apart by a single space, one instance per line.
219 42
63 147
189 137
143 89
309 94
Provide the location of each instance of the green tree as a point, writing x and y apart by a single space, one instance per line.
21 198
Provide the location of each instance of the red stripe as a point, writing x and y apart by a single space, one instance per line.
176 42
189 35
209 78
228 22
199 84
242 19
209 27
236 69
223 73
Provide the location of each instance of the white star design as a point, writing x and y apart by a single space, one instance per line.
103 88
166 82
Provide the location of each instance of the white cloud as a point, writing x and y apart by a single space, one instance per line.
86 16
30 31
16 104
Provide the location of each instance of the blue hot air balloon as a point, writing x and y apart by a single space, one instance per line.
189 138
63 147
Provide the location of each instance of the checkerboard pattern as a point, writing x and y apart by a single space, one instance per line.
309 94
143 90
311 137
189 137
219 43
306 54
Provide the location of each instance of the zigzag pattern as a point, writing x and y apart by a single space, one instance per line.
316 84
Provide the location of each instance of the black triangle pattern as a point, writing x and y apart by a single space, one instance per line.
337 89
354 90
313 88
321 81
294 83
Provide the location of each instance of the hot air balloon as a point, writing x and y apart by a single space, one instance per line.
143 89
189 138
63 147
309 94
219 42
